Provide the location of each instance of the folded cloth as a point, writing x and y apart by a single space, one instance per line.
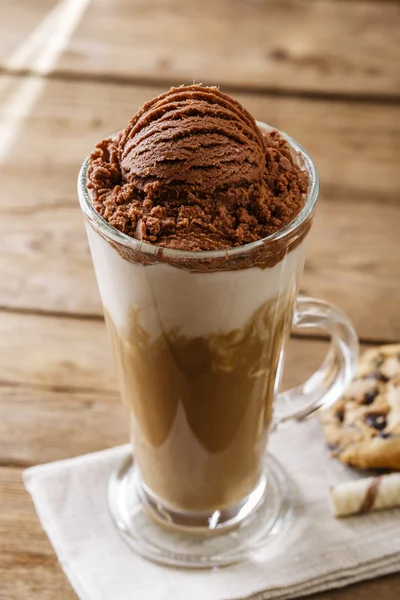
317 553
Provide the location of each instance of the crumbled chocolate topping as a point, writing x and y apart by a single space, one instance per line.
193 171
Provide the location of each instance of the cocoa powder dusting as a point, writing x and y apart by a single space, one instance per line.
192 171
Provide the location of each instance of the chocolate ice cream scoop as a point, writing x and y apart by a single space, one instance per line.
193 171
192 137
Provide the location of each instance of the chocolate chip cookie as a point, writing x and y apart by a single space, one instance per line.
363 428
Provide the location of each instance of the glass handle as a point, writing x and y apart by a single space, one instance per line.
330 381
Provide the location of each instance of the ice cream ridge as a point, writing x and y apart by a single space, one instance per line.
193 171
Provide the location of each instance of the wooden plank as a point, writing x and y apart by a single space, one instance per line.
354 145
41 425
353 255
353 261
262 45
38 425
64 354
45 260
17 515
33 577
50 352
17 20
29 569
34 420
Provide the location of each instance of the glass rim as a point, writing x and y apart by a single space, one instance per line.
173 253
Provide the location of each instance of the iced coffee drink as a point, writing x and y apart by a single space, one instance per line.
197 218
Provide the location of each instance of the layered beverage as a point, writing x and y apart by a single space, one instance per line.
197 262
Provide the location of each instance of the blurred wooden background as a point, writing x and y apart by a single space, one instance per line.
326 71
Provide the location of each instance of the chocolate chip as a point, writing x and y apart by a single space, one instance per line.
383 378
370 396
376 420
339 414
334 448
384 434
378 376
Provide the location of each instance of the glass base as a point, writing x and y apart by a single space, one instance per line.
200 541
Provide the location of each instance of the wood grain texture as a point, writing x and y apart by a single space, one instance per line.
55 353
58 391
47 266
17 20
38 424
291 45
73 355
353 257
30 571
54 133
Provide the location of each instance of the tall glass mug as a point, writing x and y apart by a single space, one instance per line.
199 341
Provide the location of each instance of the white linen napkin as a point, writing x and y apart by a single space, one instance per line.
318 553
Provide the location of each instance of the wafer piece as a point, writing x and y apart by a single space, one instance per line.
365 495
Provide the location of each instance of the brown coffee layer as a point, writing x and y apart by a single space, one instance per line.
192 171
200 407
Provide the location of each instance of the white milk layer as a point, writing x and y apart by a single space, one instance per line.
193 304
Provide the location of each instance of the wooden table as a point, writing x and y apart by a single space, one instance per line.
327 71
